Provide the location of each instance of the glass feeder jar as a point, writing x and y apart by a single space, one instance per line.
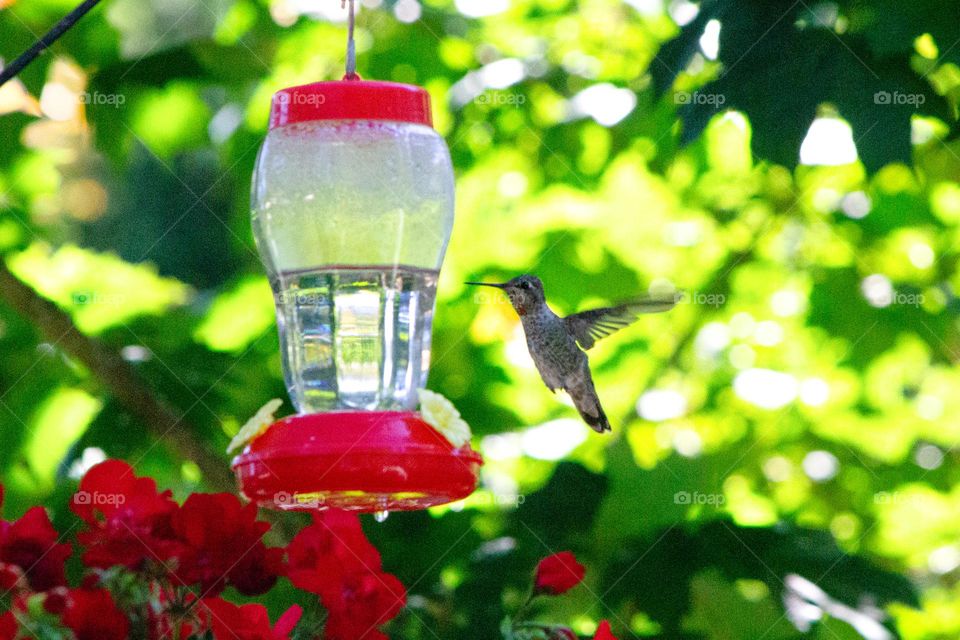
352 209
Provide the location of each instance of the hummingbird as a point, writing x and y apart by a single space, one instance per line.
557 345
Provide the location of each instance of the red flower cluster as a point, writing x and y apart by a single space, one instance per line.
156 569
333 559
211 541
220 542
129 522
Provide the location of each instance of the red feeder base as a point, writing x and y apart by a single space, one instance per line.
362 461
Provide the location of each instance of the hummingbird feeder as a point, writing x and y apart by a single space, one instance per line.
352 209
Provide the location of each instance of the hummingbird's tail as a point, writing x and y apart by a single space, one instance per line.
585 399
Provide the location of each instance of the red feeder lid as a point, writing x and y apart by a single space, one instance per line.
363 461
351 100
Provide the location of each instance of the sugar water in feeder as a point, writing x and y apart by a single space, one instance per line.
352 209
352 215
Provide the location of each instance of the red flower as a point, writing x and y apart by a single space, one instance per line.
222 542
10 576
249 621
30 544
334 559
558 574
603 632
129 519
364 602
172 615
335 541
56 600
92 615
8 626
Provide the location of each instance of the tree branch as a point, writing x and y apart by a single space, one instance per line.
161 420
126 385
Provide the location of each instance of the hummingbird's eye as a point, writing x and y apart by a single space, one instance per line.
524 285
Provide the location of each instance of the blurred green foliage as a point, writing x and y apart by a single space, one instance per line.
792 424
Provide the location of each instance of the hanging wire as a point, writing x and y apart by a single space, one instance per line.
351 47
48 39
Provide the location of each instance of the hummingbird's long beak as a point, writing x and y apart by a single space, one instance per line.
486 284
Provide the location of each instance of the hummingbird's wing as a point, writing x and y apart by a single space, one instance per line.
589 326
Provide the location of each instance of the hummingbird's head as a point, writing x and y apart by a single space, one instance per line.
525 292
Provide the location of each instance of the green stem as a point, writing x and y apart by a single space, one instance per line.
521 612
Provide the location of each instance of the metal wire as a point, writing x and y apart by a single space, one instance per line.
48 39
351 47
